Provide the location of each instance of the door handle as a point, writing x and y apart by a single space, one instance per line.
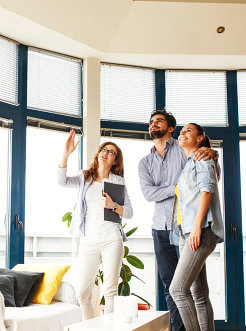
233 230
18 223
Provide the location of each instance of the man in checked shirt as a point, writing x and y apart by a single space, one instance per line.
159 172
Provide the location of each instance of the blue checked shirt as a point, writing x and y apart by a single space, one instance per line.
158 177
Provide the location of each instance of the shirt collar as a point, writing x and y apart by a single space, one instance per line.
191 157
168 143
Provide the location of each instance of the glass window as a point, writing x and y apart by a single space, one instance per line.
216 261
54 83
243 197
241 91
8 71
127 93
4 194
197 96
47 237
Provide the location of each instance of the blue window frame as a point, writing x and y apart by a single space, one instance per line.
19 114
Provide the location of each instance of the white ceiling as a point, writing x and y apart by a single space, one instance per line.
151 33
204 1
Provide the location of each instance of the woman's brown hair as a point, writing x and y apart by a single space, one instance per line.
201 132
117 168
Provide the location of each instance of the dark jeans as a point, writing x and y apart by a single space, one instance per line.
167 260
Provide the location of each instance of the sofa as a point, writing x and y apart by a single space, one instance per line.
38 317
53 306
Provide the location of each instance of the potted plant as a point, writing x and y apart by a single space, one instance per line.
126 273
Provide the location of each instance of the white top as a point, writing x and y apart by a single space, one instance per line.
96 229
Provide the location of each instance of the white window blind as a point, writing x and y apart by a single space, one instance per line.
8 71
197 96
54 83
127 93
241 91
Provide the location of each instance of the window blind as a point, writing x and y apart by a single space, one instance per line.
54 83
6 123
49 125
197 96
8 71
127 93
241 91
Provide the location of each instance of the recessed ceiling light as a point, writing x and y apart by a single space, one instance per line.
220 29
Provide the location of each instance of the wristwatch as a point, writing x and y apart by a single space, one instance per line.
115 206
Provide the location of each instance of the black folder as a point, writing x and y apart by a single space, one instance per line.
117 194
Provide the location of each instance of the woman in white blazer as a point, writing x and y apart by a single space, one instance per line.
100 240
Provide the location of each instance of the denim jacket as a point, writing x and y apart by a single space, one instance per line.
77 227
197 177
174 233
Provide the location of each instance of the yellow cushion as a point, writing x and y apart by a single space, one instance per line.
53 274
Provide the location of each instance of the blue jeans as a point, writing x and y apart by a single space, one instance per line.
167 260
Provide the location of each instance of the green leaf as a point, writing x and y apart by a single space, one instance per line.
99 276
138 278
133 260
102 302
124 289
67 218
126 251
142 299
130 232
125 273
123 226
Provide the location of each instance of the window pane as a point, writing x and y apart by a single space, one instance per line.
243 195
241 91
216 261
127 94
140 243
54 83
47 237
194 96
4 194
8 71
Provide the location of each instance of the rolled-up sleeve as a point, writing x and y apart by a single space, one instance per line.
151 191
206 176
127 208
64 180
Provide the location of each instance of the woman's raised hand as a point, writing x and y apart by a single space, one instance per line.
70 144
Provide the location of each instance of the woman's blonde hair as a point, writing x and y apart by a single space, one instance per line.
117 169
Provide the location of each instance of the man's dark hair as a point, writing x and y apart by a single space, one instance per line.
171 121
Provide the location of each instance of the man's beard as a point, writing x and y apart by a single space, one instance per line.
157 134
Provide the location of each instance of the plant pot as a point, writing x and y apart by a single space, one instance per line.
143 306
102 308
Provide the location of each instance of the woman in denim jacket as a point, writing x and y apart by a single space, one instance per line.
201 229
100 240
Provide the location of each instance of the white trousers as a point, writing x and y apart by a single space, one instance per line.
89 258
